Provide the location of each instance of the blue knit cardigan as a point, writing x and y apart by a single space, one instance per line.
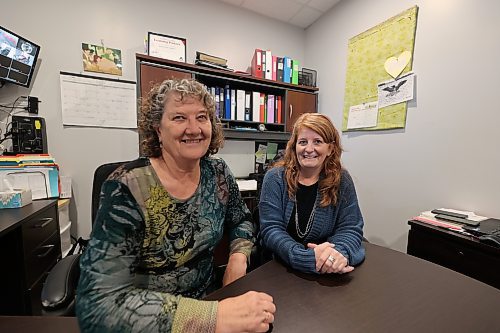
340 224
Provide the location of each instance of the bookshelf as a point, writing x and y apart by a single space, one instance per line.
295 99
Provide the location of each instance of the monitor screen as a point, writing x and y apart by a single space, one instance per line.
18 57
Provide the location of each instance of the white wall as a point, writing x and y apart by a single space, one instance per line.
61 26
448 154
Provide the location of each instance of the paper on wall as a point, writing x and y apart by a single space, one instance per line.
362 115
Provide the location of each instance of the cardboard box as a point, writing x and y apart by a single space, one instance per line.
15 198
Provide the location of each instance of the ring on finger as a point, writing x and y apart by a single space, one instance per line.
331 258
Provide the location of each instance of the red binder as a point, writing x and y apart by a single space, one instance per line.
257 64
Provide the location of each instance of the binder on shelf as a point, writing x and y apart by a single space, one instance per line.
295 72
227 102
256 106
240 104
279 111
275 67
262 108
221 100
269 65
270 109
216 98
233 104
248 105
257 63
279 69
287 69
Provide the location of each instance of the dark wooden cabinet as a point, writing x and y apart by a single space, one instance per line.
151 74
458 252
30 245
298 103
295 99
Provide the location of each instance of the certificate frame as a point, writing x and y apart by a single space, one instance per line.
167 47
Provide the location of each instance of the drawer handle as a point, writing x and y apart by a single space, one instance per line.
291 112
46 253
45 221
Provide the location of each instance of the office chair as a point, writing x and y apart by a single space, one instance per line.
59 289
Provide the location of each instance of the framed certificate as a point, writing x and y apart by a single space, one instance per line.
167 47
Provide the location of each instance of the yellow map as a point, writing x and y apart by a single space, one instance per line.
367 54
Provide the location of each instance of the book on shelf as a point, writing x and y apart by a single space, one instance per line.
212 65
211 59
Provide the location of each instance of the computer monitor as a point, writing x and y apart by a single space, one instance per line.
18 57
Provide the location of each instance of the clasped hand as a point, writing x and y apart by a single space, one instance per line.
329 260
250 312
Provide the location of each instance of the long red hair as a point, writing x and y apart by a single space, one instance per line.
331 172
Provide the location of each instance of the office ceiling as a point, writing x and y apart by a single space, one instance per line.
300 13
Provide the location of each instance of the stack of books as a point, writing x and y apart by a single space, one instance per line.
450 219
208 60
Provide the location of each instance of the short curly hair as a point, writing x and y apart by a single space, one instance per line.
153 106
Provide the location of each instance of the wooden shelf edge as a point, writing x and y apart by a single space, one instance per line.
230 134
206 70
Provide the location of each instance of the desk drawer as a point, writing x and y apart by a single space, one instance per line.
40 227
42 258
455 255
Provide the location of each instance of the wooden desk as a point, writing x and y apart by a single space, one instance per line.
460 253
23 324
390 292
30 245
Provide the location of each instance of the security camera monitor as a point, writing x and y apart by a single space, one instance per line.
18 58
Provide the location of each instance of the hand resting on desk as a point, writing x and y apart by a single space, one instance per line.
329 260
250 312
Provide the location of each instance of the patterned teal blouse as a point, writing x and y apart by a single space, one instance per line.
150 256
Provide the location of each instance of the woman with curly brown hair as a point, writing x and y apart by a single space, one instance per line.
151 255
309 212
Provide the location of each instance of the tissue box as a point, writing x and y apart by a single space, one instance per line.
15 199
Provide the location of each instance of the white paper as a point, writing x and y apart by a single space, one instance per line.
363 115
247 185
98 102
396 91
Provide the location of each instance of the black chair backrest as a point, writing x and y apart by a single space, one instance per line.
100 175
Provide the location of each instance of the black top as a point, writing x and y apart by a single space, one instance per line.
306 197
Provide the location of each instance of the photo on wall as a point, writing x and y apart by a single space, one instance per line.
101 59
